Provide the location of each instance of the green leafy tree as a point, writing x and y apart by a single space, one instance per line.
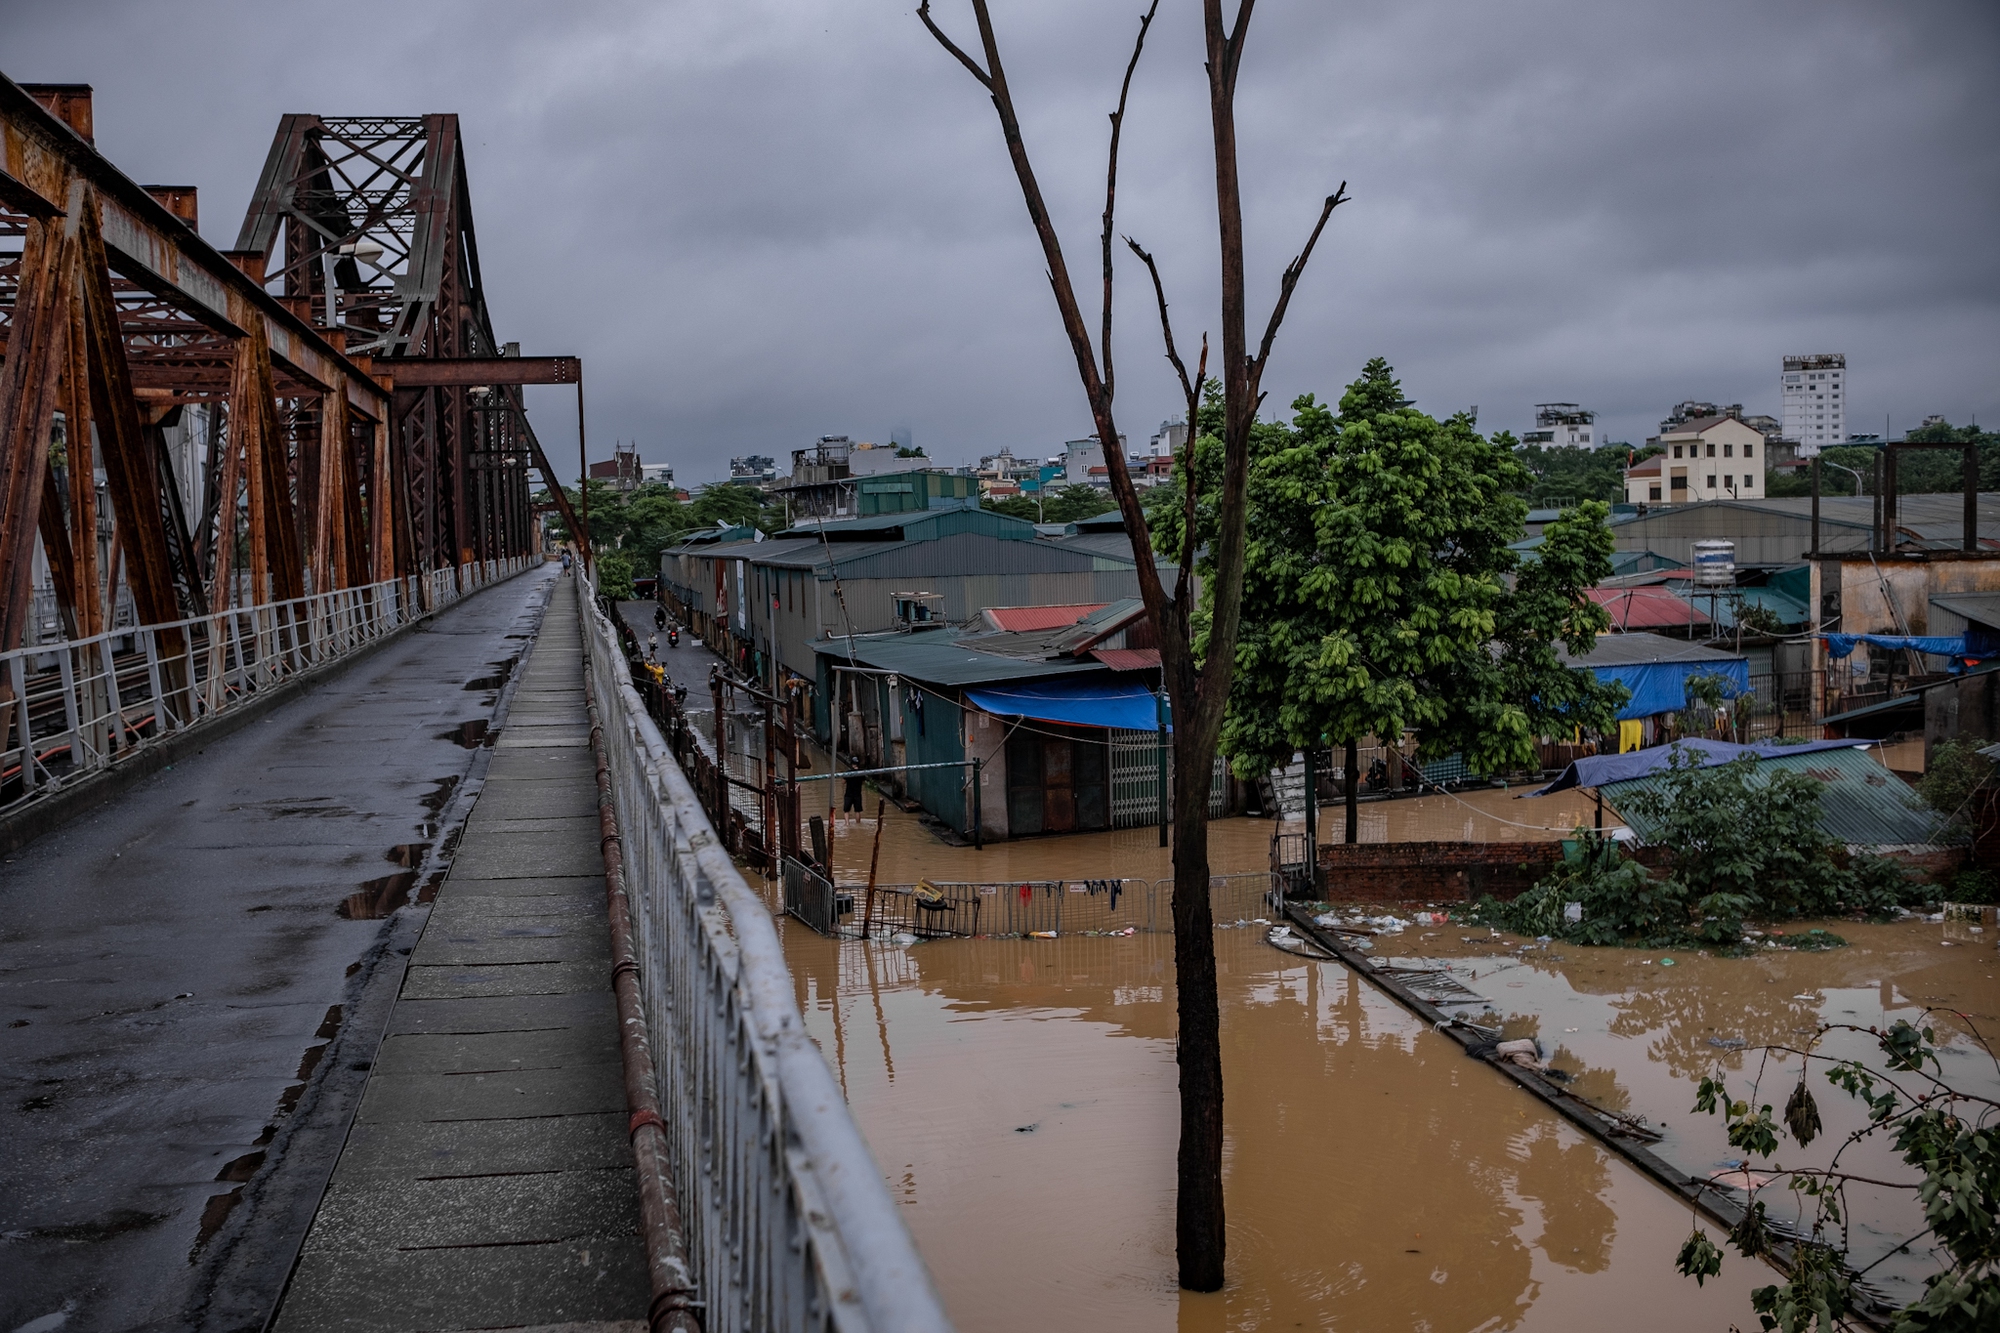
614 575
1071 504
1375 593
736 506
1949 1137
1957 772
1565 476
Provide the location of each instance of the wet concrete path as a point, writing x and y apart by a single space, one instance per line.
488 1180
190 976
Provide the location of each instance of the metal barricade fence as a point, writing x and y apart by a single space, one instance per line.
939 909
73 707
789 1223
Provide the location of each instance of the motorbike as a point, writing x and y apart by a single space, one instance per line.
674 638
659 617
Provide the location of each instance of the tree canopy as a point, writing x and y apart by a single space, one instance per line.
1376 596
1070 504
639 524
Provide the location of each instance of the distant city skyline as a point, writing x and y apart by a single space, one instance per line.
764 221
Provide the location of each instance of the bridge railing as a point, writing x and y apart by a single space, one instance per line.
789 1224
73 707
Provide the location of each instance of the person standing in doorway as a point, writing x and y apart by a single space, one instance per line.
850 801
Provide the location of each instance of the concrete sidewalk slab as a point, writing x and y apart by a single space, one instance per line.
489 1181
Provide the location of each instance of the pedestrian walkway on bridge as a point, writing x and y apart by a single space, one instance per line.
488 1180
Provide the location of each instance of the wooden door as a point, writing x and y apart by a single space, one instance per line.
1058 785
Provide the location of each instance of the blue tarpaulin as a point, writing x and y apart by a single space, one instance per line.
1602 769
1081 703
1840 645
1661 687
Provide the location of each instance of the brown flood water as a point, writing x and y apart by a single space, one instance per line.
1020 1097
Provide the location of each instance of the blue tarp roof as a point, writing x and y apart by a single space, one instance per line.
1840 645
1082 703
1603 769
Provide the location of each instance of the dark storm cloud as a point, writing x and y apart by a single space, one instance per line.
761 221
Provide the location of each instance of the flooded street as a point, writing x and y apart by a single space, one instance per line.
1020 1097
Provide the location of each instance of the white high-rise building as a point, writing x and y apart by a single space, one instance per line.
1815 397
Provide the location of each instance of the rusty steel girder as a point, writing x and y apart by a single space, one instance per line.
318 469
363 224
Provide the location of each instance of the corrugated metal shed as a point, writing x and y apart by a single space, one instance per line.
1616 650
1863 804
917 526
938 658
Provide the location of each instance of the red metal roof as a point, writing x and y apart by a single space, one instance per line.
1646 608
1020 618
1128 659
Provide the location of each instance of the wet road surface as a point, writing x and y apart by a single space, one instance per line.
187 979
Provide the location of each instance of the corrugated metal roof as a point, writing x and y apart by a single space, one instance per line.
1862 803
1980 607
940 658
1614 650
917 525
1018 618
1128 659
1645 608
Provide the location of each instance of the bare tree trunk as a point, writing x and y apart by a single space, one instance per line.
1198 689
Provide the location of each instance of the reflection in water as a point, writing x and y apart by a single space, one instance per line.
1376 1178
1020 1098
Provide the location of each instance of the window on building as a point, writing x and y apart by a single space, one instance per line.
1653 492
1728 481
1711 481
1729 451
1746 450
1711 454
1677 451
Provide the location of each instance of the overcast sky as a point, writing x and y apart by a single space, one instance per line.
760 221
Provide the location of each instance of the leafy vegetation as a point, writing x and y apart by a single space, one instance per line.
1947 1135
1071 504
1921 473
639 524
1744 845
1559 477
1376 595
1956 771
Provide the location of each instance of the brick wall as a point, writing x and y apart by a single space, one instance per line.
1432 871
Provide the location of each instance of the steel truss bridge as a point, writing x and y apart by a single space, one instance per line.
358 421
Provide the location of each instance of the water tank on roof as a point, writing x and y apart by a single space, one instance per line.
1715 563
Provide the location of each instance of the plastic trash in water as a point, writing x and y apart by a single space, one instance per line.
1666 962
1041 934
1572 912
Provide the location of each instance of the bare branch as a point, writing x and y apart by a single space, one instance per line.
1166 325
1188 485
1111 192
924 13
1291 280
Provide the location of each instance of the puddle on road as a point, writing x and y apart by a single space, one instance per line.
503 670
1020 1098
468 735
378 898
